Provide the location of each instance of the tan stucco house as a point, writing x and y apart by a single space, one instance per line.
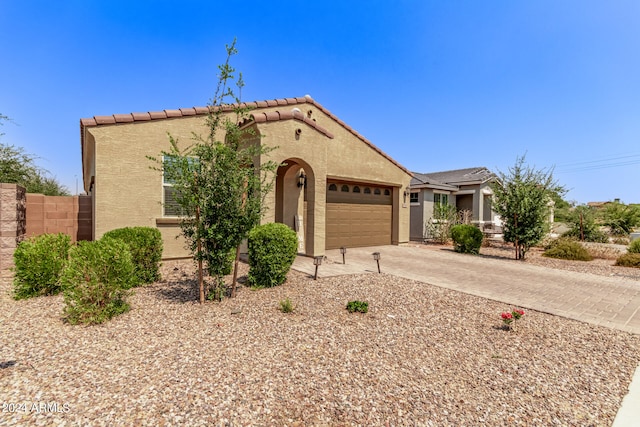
334 187
467 189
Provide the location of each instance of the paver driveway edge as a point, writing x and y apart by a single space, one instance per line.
612 302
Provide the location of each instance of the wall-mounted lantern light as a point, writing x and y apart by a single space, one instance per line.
343 250
406 193
376 256
302 179
317 261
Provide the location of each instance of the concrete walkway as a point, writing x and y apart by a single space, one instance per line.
613 302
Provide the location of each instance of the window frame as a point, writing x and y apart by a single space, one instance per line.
414 200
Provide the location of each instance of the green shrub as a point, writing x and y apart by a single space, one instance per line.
286 306
38 264
359 306
96 281
568 249
231 259
272 249
467 239
629 260
145 244
634 247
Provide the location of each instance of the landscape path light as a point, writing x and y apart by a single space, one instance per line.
376 256
317 261
343 250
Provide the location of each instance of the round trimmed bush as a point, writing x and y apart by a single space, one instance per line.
145 244
634 247
96 281
467 239
568 249
38 264
272 249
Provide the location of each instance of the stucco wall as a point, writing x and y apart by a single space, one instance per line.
128 192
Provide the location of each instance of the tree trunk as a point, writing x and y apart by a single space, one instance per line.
235 273
199 244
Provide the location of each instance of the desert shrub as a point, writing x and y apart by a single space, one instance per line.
629 260
603 250
38 264
359 306
145 244
286 306
272 249
634 247
568 249
438 228
96 281
467 239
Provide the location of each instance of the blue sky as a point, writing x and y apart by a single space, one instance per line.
437 85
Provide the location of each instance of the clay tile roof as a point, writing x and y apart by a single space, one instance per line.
103 120
256 116
173 113
141 116
123 118
157 115
188 111
88 122
272 116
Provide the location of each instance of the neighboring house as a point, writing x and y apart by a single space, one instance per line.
334 187
466 189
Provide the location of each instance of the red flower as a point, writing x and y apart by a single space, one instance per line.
506 316
520 312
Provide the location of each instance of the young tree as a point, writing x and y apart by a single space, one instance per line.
582 225
521 198
219 185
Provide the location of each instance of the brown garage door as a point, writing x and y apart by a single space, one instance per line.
358 215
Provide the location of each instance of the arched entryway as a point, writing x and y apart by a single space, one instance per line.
294 200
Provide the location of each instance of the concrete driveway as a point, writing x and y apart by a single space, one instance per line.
607 301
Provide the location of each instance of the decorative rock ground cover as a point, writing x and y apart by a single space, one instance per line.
422 355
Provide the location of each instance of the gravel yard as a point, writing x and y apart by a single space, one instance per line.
422 355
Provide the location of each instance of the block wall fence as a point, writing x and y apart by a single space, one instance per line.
24 215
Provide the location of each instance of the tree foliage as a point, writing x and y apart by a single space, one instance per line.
521 198
621 218
19 167
561 208
583 225
219 185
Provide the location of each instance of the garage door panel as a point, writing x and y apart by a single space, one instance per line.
353 225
